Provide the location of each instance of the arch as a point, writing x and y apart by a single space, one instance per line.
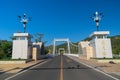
61 50
61 40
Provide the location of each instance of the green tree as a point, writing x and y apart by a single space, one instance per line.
1 53
115 41
5 49
38 37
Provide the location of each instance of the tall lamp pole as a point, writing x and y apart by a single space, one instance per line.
24 20
97 17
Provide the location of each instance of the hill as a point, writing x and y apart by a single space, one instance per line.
115 42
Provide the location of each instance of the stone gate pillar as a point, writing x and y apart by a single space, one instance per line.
22 46
101 44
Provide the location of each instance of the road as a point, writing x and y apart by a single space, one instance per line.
61 68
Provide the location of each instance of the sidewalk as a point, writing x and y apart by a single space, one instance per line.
7 70
112 69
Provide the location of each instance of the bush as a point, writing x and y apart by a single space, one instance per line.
5 49
1 54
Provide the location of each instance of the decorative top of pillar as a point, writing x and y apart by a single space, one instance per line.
21 34
96 33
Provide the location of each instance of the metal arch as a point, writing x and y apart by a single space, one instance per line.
59 40
62 39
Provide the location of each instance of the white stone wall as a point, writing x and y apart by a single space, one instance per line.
82 45
101 48
20 49
86 51
92 44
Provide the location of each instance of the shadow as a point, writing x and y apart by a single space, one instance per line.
48 56
57 68
68 68
2 72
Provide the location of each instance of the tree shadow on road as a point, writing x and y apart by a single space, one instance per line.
58 68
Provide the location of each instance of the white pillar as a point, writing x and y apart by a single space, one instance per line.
68 47
54 47
22 47
101 45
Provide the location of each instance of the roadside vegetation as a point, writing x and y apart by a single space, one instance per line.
115 42
5 49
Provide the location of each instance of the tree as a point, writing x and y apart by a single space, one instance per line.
5 49
1 53
87 39
115 41
38 37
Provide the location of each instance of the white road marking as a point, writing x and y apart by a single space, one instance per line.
100 71
25 70
96 69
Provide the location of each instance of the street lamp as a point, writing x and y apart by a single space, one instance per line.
97 17
24 21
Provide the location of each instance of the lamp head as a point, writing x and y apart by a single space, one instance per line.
96 13
24 15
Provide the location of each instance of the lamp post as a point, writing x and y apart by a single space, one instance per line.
24 21
97 17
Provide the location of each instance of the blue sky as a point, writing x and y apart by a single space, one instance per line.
59 18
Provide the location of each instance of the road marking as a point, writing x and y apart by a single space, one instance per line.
96 69
61 68
100 71
25 70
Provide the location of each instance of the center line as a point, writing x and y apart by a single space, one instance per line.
61 68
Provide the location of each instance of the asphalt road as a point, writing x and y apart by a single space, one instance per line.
61 68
